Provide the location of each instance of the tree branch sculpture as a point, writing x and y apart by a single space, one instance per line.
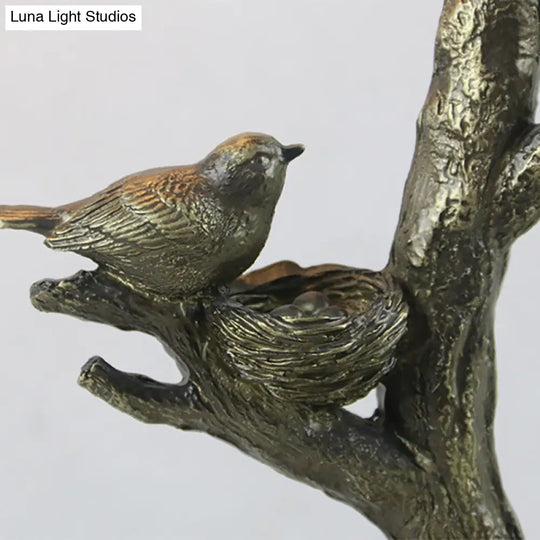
424 465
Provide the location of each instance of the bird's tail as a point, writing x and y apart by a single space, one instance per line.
38 219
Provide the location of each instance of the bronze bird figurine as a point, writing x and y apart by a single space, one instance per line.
173 231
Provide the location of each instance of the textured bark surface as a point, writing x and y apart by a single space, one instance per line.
424 466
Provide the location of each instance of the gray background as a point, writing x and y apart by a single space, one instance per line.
79 110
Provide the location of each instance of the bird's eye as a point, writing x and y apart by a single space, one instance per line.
263 161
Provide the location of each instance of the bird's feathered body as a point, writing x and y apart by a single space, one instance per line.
167 231
171 231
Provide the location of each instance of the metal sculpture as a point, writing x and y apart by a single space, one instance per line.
424 465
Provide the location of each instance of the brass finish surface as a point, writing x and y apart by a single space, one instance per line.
332 354
174 231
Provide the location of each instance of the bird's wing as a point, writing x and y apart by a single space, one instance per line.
142 212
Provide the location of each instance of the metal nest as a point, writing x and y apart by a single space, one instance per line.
318 338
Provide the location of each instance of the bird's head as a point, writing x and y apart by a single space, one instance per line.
250 168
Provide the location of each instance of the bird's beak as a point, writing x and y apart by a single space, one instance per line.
292 151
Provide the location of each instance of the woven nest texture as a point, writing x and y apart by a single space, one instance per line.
329 346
